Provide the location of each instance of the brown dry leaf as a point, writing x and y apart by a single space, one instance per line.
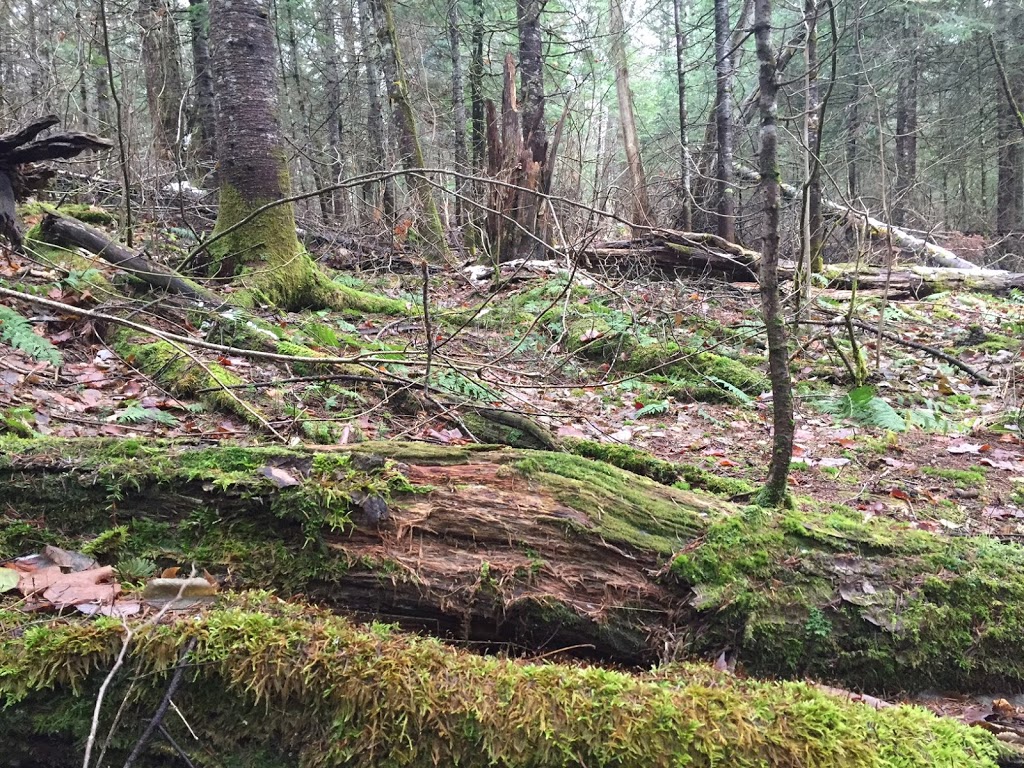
120 609
95 585
39 579
73 561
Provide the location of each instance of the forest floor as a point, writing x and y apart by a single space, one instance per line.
924 443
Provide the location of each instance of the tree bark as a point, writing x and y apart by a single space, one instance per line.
458 111
332 202
906 124
681 19
726 203
476 89
408 137
162 67
251 160
1010 157
377 154
203 110
776 491
639 204
531 242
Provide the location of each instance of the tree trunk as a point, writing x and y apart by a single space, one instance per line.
476 89
458 111
639 205
251 169
906 124
408 138
531 240
270 682
726 203
813 114
376 130
332 202
541 551
203 113
1010 158
775 492
681 19
162 67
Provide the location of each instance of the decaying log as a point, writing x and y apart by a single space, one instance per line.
71 233
876 228
701 253
19 149
537 551
274 683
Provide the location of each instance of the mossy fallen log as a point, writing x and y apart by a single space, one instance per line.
536 551
278 684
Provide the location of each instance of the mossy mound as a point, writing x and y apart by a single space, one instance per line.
275 684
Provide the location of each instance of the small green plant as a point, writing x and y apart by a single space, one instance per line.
16 331
818 627
135 569
863 406
133 413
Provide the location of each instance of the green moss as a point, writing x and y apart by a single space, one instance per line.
87 213
622 507
962 478
280 680
682 476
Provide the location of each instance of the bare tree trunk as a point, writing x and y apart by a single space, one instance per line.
775 492
1010 158
627 117
458 111
530 212
331 202
105 118
376 130
681 17
408 139
725 204
203 118
906 125
476 89
162 68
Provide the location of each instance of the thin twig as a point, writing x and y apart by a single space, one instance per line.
158 716
426 325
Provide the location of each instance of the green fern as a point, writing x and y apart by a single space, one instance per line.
458 384
17 331
133 413
322 335
653 409
738 394
863 406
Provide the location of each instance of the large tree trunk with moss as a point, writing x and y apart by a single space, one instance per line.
253 241
252 170
539 551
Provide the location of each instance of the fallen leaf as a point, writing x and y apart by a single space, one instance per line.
967 448
279 477
9 579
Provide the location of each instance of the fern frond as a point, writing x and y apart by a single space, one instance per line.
863 406
18 332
